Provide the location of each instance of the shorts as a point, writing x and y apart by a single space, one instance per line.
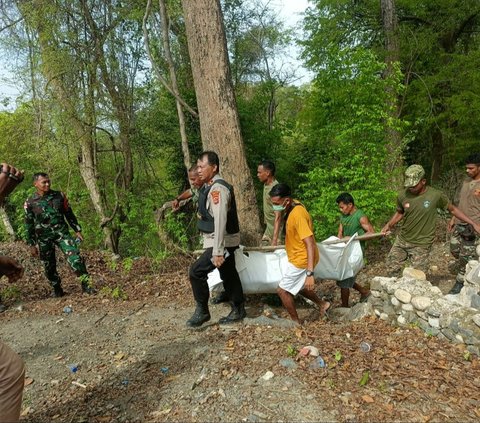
293 279
346 283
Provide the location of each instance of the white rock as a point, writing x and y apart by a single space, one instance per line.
383 316
394 302
268 375
434 322
377 313
407 307
376 294
476 319
433 268
422 314
403 296
411 273
436 290
401 320
421 303
459 338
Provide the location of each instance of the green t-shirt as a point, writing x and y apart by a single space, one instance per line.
268 213
351 223
420 215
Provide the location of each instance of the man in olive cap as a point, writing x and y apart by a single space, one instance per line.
417 206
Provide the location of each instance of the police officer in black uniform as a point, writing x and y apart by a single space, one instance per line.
218 223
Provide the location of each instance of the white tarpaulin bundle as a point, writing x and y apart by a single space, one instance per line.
261 272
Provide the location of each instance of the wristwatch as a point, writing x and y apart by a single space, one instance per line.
309 273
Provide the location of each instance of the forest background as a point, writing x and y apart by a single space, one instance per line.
111 106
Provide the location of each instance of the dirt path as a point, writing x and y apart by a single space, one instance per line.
137 362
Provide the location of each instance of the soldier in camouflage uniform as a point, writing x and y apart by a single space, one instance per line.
464 241
46 215
417 205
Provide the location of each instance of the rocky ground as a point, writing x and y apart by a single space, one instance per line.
124 354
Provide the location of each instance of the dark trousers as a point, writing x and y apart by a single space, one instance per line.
228 272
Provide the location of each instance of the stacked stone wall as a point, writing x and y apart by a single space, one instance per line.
412 300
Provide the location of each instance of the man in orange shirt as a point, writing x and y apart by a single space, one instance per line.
301 249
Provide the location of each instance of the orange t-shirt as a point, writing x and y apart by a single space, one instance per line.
298 227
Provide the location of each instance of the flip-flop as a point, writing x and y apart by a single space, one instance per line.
363 299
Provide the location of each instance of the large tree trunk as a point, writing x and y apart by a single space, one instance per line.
219 122
392 55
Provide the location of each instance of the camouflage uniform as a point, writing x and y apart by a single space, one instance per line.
403 251
46 220
419 214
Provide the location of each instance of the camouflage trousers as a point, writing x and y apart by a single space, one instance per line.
403 252
463 246
67 245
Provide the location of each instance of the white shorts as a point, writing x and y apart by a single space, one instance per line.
293 279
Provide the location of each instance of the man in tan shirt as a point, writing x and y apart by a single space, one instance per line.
218 223
464 240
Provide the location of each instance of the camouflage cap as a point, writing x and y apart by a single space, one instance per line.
413 175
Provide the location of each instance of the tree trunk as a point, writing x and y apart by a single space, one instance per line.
173 79
7 224
392 55
219 121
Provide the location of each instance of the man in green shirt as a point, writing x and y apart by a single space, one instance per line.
353 221
273 219
417 206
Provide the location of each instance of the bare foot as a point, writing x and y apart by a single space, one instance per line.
324 308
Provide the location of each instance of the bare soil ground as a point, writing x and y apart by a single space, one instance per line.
136 361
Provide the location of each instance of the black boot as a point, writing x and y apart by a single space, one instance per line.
58 291
200 316
3 307
220 298
456 288
238 313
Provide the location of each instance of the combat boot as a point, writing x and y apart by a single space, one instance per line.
220 298
238 313
200 316
58 291
3 307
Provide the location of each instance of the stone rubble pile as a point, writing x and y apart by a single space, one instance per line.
412 300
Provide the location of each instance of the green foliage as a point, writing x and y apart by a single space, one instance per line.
338 356
11 293
346 116
292 351
116 293
365 378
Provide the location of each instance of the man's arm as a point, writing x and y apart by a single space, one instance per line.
366 225
462 216
219 199
71 218
185 195
392 222
276 227
340 231
10 177
310 244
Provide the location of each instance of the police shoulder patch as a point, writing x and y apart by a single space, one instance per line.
215 196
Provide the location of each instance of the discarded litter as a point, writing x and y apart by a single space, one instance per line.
164 370
318 363
67 309
309 350
73 368
125 382
365 346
